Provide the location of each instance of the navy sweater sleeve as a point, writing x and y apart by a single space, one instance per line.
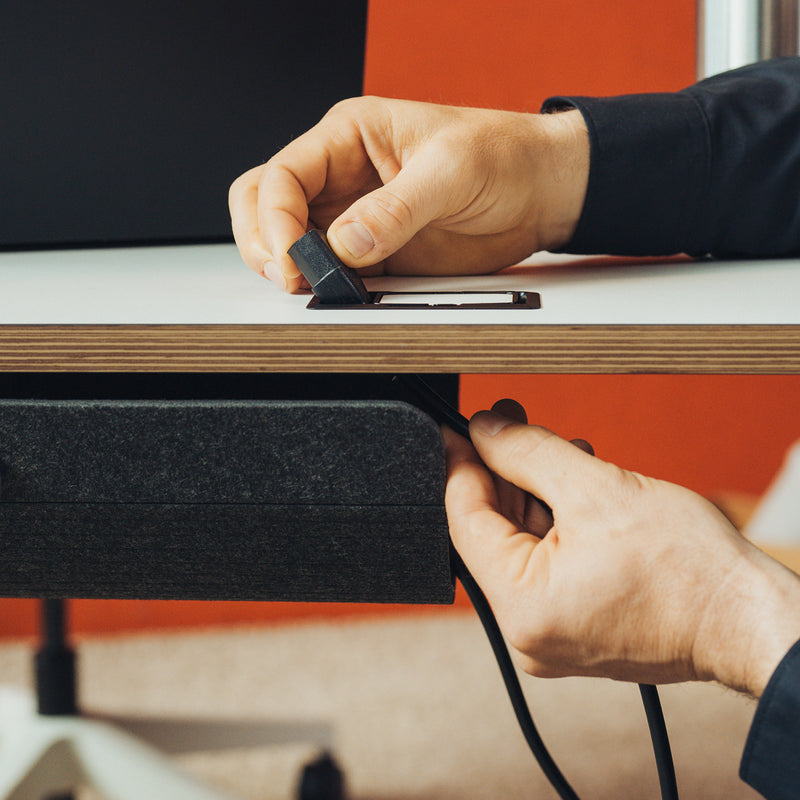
771 760
714 168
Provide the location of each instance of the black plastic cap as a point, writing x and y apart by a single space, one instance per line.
333 282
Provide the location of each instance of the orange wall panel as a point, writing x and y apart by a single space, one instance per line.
711 433
19 618
514 53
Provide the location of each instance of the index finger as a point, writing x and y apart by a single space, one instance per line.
288 182
537 460
243 205
494 549
243 199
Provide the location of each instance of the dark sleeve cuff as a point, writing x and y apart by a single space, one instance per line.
714 168
771 759
649 169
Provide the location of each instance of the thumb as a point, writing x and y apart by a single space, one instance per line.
381 222
535 459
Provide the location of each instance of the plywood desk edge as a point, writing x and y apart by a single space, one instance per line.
752 349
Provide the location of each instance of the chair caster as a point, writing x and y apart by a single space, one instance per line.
321 780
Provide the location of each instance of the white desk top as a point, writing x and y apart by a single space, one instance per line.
209 285
198 308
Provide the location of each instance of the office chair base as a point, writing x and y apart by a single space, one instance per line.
41 756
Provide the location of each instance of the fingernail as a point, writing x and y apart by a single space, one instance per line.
488 423
355 238
274 274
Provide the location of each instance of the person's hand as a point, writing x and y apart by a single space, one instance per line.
413 188
631 578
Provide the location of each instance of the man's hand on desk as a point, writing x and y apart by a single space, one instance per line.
631 578
413 188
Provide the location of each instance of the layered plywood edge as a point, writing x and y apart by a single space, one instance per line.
756 349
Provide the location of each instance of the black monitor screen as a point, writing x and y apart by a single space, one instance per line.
125 121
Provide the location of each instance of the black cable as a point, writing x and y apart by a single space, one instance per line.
511 681
438 408
661 748
444 413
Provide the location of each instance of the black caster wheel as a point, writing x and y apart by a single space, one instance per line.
321 780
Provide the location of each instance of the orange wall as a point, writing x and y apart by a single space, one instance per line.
709 433
514 53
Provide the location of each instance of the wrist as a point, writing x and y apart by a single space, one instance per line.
564 176
753 622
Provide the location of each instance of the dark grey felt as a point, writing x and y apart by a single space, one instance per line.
222 499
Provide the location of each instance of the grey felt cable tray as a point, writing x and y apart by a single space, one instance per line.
236 500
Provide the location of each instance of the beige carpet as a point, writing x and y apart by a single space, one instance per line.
415 708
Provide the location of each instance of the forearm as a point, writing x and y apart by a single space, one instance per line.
714 168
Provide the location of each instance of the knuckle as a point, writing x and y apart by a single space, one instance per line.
353 107
389 205
630 487
344 106
526 663
244 183
526 448
522 626
519 636
539 669
530 665
235 190
525 644
534 654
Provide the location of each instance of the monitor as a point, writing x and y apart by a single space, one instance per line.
125 121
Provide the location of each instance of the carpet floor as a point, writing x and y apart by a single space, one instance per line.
412 707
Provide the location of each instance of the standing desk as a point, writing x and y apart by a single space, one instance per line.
198 309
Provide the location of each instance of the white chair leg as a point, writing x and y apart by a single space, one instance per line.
182 735
122 768
46 755
35 766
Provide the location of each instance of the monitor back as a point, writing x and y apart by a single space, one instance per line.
125 122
